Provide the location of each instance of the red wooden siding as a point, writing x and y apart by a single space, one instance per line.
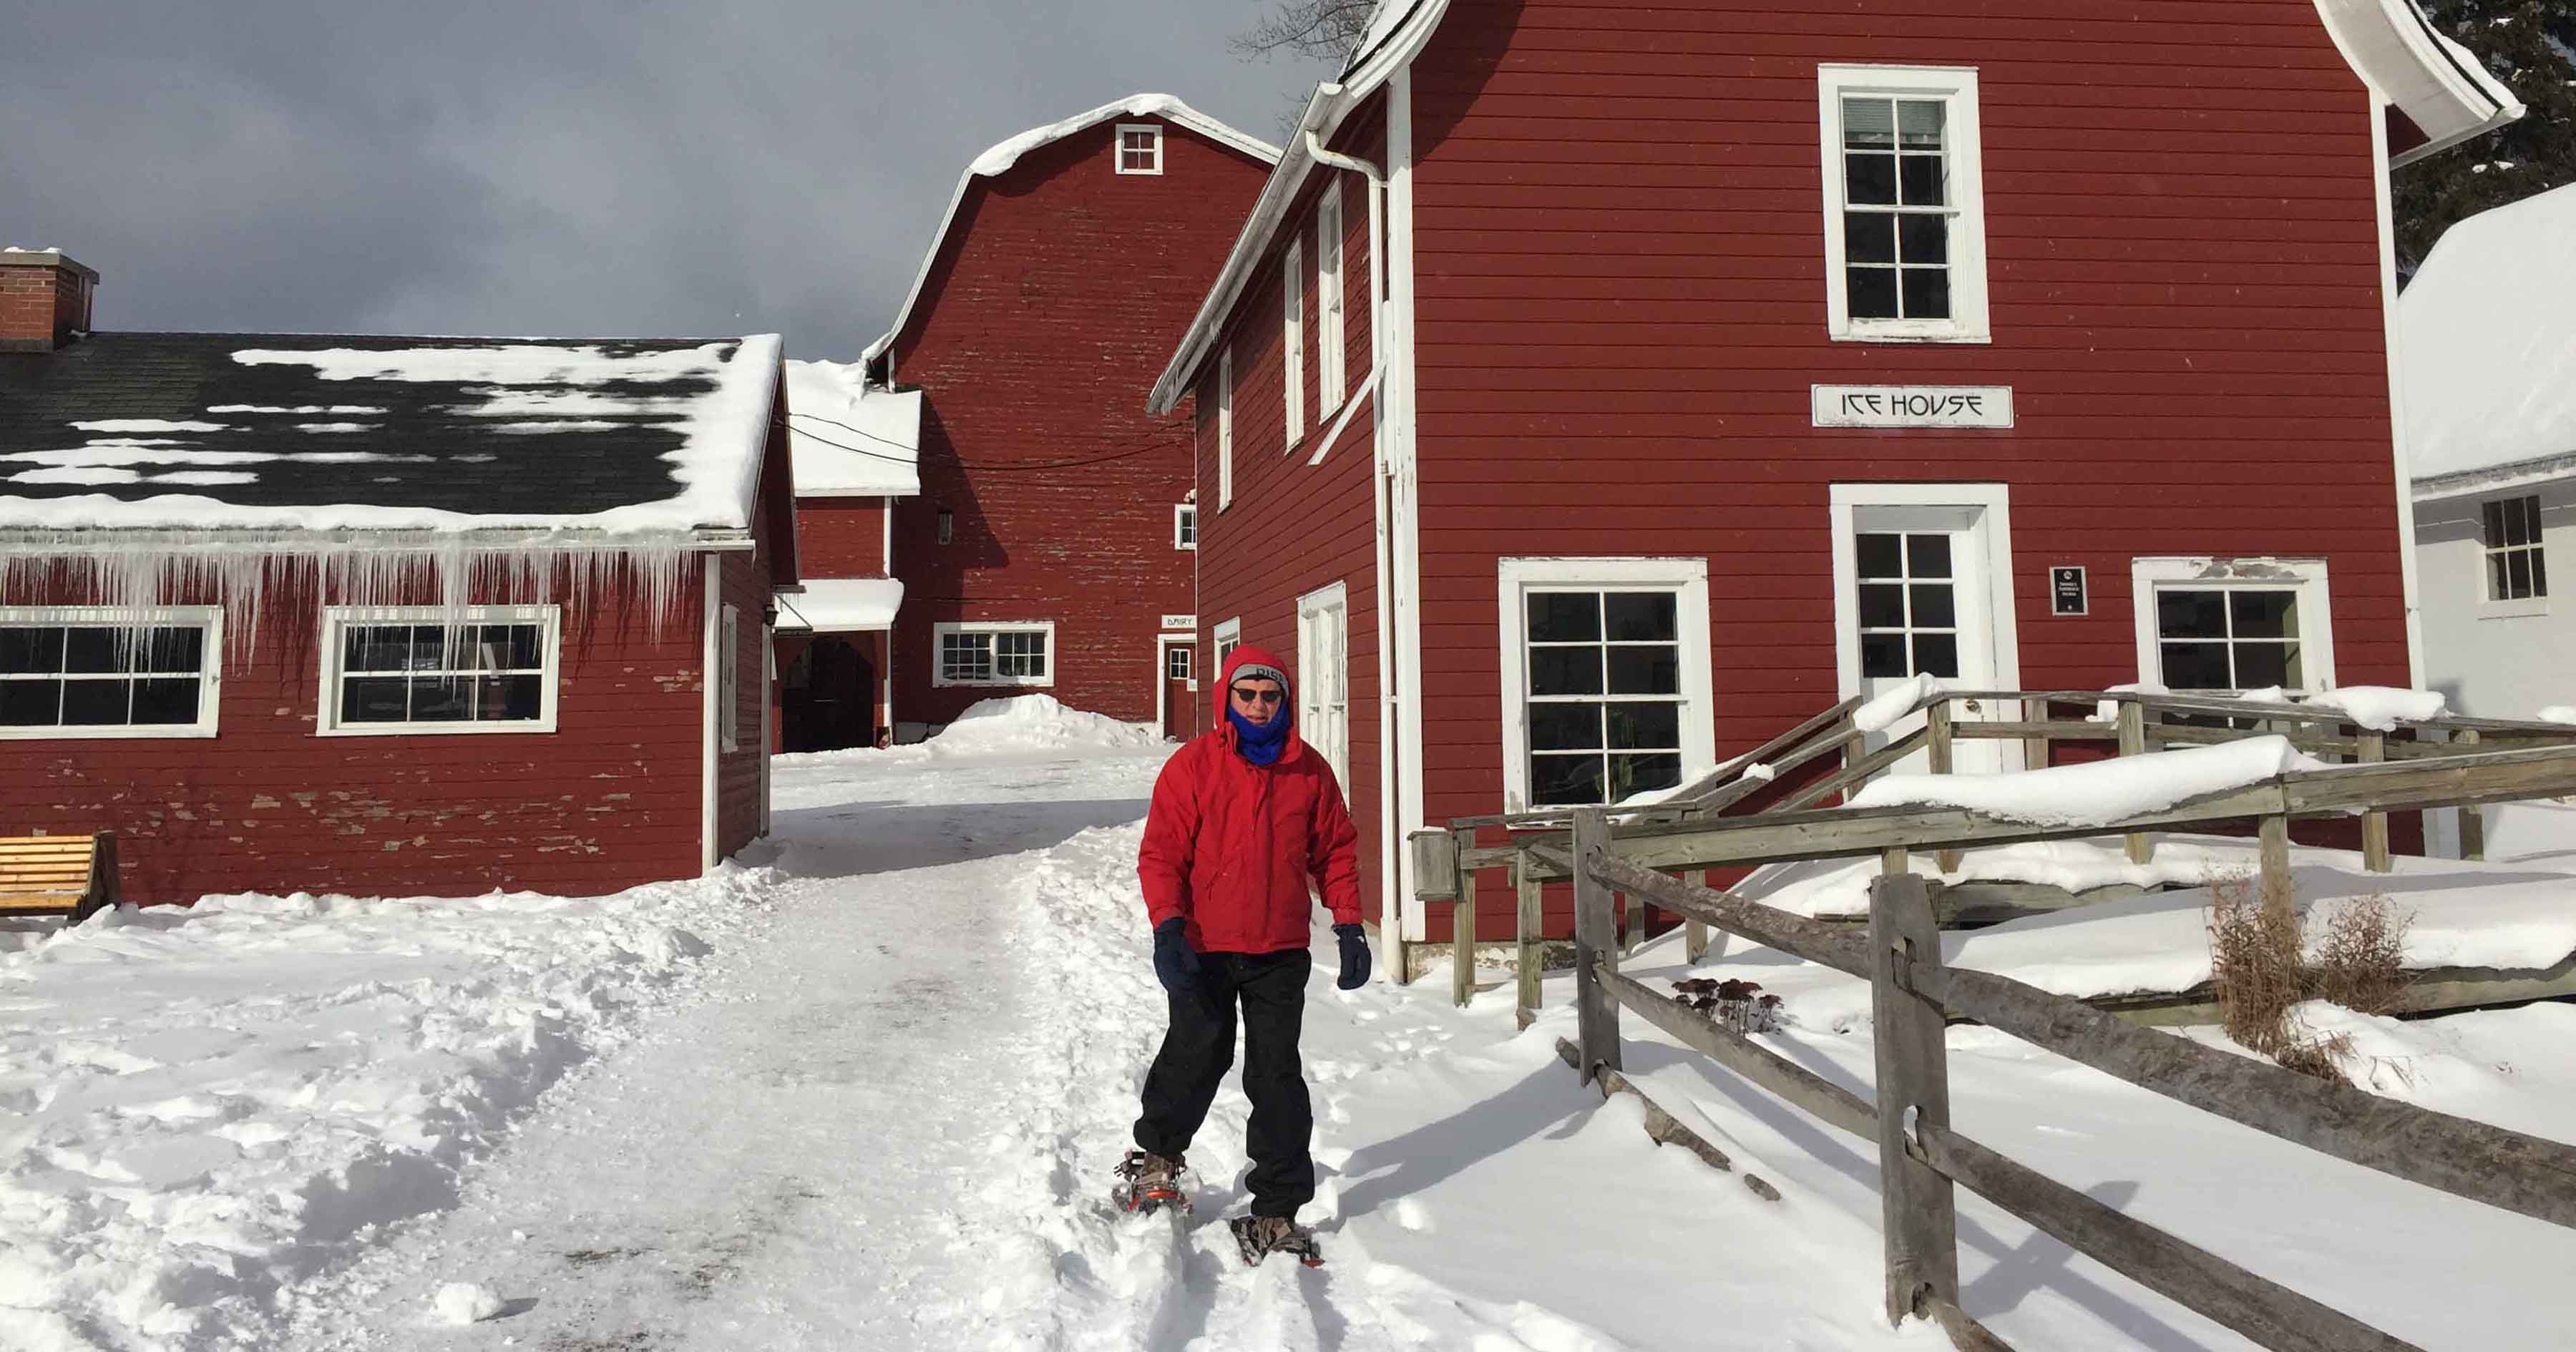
1294 527
607 801
1621 305
841 537
1051 305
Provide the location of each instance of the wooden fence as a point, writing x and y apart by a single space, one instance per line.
1913 996
1701 826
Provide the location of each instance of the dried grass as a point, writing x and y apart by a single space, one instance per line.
2258 949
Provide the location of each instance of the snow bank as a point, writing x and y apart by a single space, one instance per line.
198 1105
2098 791
2559 713
1023 723
2380 708
1841 886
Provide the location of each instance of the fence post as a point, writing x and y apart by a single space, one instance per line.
1462 925
1938 757
1530 925
2274 878
1918 1212
2473 822
2034 750
1596 1013
2374 825
2133 742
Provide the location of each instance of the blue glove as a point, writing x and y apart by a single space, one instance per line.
1355 957
1176 964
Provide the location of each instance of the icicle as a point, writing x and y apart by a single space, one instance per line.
135 573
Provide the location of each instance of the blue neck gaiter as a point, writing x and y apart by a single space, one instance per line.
1259 745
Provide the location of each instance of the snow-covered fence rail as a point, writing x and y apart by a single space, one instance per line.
1922 1157
1669 833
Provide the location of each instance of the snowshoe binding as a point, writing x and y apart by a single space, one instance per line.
1261 1236
1148 1182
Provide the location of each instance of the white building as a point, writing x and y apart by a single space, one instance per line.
2488 344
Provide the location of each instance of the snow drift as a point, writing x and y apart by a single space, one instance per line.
1024 723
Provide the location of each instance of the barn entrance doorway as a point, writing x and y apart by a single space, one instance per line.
827 697
1922 582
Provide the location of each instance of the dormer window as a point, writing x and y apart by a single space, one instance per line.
1140 148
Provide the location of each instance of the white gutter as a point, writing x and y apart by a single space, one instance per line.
1390 917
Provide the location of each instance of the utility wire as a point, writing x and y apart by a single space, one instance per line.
1148 448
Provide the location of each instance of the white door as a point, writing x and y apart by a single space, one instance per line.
1918 600
1323 678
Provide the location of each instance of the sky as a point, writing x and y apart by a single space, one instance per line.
555 167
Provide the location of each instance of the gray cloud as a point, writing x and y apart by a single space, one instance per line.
554 166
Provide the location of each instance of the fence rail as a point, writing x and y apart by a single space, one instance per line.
1635 855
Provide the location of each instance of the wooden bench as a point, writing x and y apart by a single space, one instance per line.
47 875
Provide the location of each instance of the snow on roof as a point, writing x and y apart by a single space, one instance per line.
323 433
848 439
1001 157
840 605
2435 82
2487 341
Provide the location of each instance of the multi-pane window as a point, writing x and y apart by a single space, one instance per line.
1329 356
1016 654
1140 148
104 676
1185 526
2229 638
1908 603
1176 664
2516 570
418 675
1604 681
1292 341
1896 207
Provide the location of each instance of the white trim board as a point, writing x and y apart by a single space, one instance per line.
944 628
1163 645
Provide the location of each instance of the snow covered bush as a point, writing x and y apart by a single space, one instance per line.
1741 1006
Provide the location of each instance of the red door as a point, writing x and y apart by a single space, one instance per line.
1181 718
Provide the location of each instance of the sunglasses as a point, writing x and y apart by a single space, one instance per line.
1258 696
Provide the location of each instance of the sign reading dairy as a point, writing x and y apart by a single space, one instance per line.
1912 406
1181 622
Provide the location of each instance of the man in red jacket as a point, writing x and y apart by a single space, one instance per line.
1245 819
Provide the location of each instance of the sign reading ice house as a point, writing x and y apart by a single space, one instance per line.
1913 406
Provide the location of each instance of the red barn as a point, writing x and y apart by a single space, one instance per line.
1596 392
381 615
1051 545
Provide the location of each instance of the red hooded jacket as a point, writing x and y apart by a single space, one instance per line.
1232 846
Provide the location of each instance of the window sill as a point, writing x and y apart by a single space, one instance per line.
101 733
1903 332
2514 610
492 729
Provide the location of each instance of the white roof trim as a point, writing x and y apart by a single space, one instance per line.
2538 470
1000 159
840 605
2438 84
1332 103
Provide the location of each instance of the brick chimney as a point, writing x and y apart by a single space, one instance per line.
44 299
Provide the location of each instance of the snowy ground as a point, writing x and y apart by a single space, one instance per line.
880 1114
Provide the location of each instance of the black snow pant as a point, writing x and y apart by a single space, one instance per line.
1271 990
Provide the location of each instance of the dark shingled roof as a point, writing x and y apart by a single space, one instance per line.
452 443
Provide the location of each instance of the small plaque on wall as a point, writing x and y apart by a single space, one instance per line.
2066 591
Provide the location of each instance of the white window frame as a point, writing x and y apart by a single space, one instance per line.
1956 86
729 680
1118 155
1292 343
326 711
210 677
939 641
1330 334
1226 637
2490 605
1686 577
2147 576
1225 429
1185 525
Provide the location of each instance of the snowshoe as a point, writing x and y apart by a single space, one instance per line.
1148 1182
1261 1236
